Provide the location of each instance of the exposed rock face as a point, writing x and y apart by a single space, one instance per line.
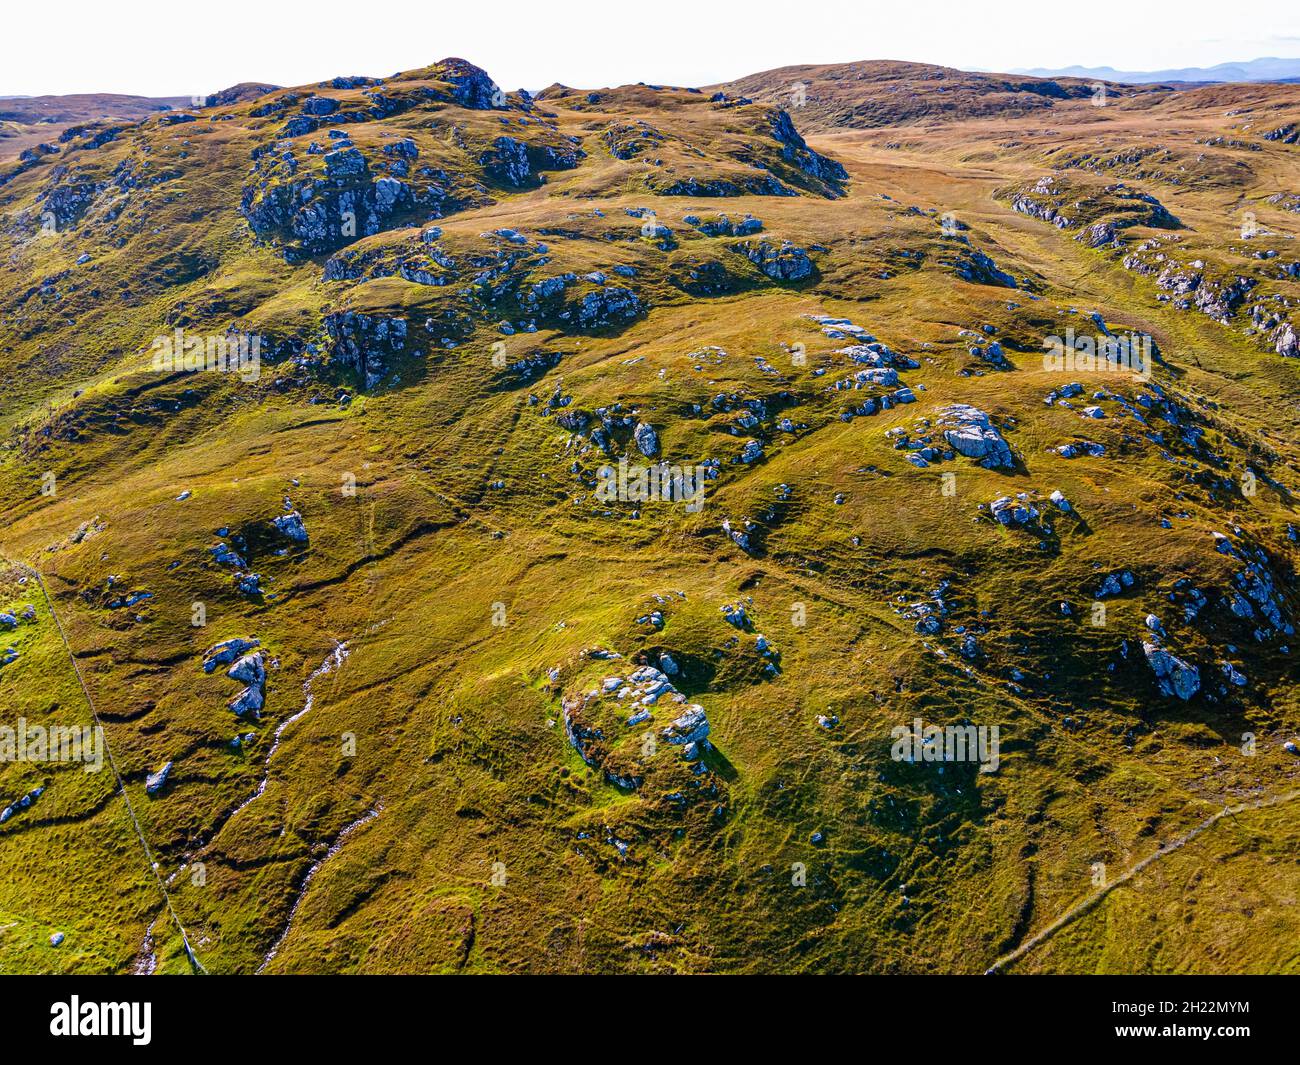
68 202
320 214
795 150
1173 676
512 162
366 342
471 86
975 436
507 162
784 263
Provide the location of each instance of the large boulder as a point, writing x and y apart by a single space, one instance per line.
972 433
156 781
1174 677
647 440
249 670
290 525
226 651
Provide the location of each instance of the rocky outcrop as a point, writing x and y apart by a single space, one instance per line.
647 440
291 527
971 432
795 150
366 343
516 164
974 266
604 724
604 308
1174 677
786 262
316 212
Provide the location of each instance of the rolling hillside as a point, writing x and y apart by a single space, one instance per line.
328 418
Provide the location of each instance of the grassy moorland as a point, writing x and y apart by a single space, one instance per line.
410 798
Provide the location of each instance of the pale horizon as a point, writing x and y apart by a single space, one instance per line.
174 50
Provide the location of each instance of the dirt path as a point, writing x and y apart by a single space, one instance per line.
1092 900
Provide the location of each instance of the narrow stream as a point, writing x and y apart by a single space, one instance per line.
369 815
146 960
332 662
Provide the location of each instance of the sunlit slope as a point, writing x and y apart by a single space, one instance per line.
414 795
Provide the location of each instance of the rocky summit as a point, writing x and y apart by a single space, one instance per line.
843 519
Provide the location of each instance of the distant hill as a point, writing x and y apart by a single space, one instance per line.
84 107
1271 69
26 121
875 93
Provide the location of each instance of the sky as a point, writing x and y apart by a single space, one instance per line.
178 48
